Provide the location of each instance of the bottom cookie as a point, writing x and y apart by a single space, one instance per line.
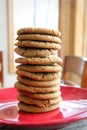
35 109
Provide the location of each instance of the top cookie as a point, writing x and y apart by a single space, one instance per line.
39 31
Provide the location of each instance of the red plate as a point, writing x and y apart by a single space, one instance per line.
72 108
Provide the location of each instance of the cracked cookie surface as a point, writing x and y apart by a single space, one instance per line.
29 52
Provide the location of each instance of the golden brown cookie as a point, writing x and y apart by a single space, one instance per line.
40 61
39 102
35 109
48 31
40 68
38 44
39 37
32 89
29 52
43 96
39 76
31 82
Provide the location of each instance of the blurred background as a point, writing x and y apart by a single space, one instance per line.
67 16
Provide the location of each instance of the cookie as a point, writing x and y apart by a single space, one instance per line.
39 76
35 109
39 31
31 82
38 37
40 61
32 89
43 96
39 102
39 44
29 52
40 68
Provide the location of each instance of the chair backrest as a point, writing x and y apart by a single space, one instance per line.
1 68
74 65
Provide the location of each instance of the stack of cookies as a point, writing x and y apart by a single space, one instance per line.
39 69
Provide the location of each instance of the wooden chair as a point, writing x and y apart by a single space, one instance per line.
75 66
1 68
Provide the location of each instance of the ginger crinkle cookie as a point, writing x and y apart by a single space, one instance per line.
39 69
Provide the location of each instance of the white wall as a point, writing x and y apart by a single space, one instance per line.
9 79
